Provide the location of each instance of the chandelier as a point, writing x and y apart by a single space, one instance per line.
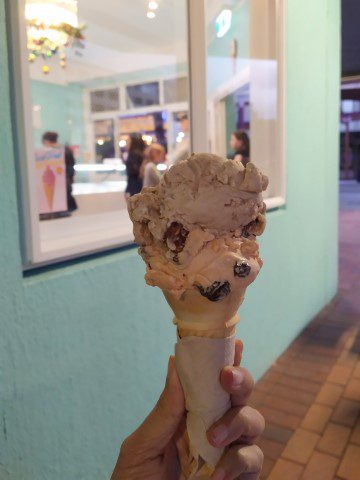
52 26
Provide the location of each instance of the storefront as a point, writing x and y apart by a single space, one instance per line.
75 333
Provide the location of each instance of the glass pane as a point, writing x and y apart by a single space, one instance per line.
242 80
91 63
176 90
142 95
105 100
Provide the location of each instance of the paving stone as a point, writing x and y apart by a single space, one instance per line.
266 468
347 359
280 418
352 390
270 448
301 446
320 467
306 398
285 470
350 465
355 437
346 412
285 405
329 394
334 439
317 418
339 374
277 433
356 372
300 384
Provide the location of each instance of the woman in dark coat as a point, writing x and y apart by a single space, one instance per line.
133 164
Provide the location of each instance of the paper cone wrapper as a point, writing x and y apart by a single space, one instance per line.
199 361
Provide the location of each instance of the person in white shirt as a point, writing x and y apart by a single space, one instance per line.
154 155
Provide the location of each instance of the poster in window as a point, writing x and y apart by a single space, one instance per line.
51 180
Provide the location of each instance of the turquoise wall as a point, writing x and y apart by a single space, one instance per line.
61 111
83 348
220 66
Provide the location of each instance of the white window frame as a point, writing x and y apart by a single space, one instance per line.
198 108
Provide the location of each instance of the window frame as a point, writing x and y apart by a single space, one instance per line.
197 106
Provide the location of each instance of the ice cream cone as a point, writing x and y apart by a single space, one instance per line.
197 234
48 181
49 193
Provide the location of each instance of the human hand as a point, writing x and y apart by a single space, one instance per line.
156 450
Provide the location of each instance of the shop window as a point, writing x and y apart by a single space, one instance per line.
105 100
142 95
127 75
80 87
175 90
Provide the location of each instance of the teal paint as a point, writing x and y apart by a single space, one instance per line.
61 111
220 65
83 349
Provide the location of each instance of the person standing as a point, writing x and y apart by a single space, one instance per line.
50 140
154 155
133 165
240 143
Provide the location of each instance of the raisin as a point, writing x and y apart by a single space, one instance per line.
217 291
176 234
246 230
241 269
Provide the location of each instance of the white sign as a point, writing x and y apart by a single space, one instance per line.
223 22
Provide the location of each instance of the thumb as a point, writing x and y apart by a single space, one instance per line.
159 427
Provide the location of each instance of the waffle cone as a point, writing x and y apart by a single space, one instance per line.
49 193
211 333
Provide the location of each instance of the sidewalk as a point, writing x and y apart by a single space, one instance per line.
311 396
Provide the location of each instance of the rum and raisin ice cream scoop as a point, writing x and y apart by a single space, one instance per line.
197 234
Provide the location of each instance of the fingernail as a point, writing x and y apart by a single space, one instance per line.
219 474
237 378
219 434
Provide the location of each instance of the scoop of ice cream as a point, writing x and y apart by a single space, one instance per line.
197 234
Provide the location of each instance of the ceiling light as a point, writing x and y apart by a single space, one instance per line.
153 5
122 143
150 15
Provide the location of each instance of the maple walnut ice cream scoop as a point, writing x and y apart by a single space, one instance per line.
197 234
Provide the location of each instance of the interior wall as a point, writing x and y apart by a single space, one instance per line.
61 110
84 347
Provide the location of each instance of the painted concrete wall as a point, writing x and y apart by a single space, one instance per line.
61 111
83 348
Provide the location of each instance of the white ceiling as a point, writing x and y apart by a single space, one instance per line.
119 39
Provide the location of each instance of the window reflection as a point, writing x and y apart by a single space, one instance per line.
102 81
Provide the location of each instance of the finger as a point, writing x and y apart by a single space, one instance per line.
238 352
237 422
243 463
160 425
238 382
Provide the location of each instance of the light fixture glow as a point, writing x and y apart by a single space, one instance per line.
223 22
161 167
122 143
150 14
100 141
153 5
52 26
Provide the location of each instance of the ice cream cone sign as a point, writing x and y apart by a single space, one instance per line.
49 179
